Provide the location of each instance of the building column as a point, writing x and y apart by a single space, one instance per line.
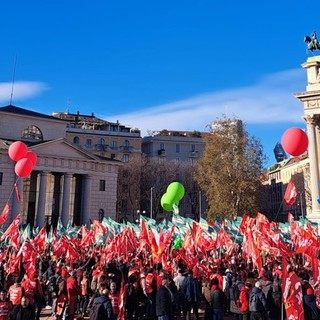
65 211
86 199
314 169
41 207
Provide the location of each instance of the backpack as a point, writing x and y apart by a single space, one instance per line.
149 283
96 311
253 302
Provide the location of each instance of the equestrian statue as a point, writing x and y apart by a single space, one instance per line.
312 43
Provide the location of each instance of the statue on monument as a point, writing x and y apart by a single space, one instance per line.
312 43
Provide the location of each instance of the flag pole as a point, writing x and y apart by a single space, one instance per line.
275 219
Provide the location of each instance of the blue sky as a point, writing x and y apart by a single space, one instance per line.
160 64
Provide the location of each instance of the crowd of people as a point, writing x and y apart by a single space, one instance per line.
134 276
126 290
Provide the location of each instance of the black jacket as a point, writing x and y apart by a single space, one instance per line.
218 299
164 302
19 313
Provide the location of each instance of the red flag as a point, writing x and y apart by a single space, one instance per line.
292 295
12 228
40 239
5 213
16 188
290 195
290 217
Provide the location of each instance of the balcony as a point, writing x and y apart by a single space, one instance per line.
125 149
194 154
99 147
162 152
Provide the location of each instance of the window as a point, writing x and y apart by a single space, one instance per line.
161 146
193 148
1 177
89 143
114 144
126 143
113 155
76 140
32 133
101 142
102 185
125 158
125 188
177 147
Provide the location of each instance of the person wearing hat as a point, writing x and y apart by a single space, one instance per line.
311 310
257 303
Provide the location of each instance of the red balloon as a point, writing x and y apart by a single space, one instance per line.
23 167
32 156
17 150
295 141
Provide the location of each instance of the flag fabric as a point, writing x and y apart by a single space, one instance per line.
290 217
290 195
16 188
292 294
5 213
12 228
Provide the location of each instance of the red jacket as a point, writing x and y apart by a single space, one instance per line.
244 299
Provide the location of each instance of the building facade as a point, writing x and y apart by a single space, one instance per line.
67 182
174 145
276 181
108 139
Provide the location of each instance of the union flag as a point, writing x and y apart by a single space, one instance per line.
290 195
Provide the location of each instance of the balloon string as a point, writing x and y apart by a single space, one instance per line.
13 188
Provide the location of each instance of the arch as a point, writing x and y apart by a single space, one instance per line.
32 133
76 140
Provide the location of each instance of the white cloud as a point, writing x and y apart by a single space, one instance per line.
270 100
21 90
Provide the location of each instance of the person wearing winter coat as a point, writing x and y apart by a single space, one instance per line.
192 295
24 311
274 299
107 313
243 301
218 300
164 300
311 310
257 303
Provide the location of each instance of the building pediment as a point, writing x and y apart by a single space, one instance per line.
62 148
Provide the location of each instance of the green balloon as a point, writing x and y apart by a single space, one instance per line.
177 243
167 202
176 191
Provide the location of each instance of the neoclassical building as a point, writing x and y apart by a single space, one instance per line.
67 181
311 104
